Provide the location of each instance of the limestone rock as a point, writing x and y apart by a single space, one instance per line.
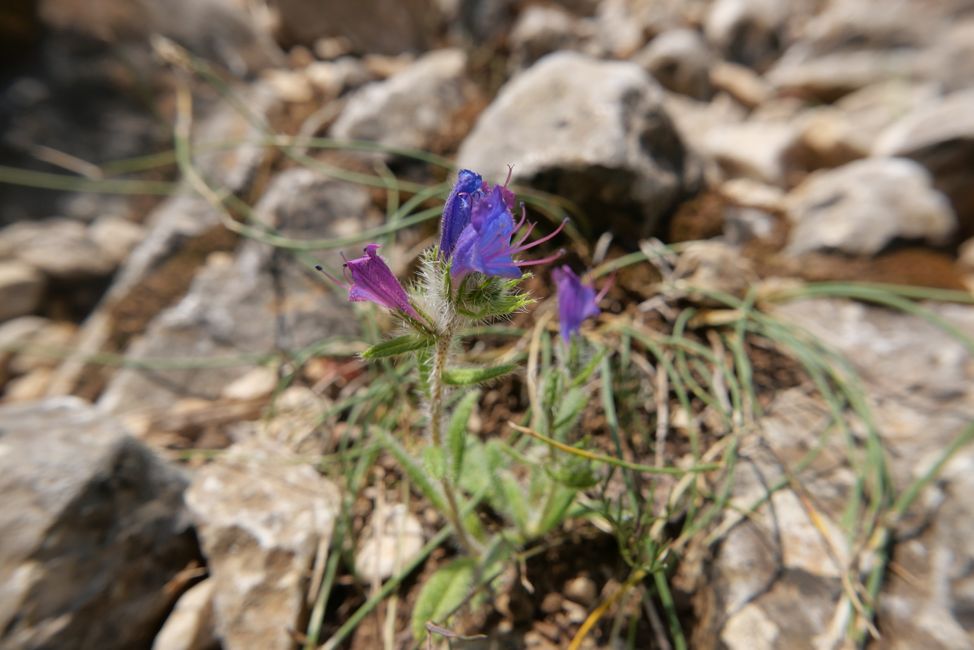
829 77
411 109
753 149
606 142
680 60
94 529
116 236
57 247
940 136
747 31
861 207
543 29
740 82
190 625
21 289
261 517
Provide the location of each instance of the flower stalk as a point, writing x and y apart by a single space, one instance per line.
441 355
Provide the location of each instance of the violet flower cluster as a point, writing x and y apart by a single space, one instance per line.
478 235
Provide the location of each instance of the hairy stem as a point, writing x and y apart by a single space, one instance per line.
437 398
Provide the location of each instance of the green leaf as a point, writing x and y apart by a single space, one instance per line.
398 345
456 435
569 411
443 592
413 469
435 462
556 508
477 476
468 376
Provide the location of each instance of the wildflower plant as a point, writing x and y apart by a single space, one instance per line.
471 277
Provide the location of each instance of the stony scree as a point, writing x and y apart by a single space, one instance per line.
246 304
261 516
94 530
605 142
861 207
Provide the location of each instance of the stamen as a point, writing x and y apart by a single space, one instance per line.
543 260
537 242
524 237
605 288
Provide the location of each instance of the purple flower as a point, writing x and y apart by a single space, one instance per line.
456 210
576 301
369 278
485 246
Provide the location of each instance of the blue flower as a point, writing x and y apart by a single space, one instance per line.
456 210
576 301
485 246
370 279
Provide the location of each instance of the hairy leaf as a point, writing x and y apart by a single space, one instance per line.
398 345
469 376
443 592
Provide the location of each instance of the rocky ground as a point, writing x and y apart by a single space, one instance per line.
179 386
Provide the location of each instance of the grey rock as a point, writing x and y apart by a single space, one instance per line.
411 109
60 248
190 625
543 29
861 207
261 517
21 289
680 60
748 31
94 529
250 304
180 219
374 26
775 579
606 142
115 236
828 77
753 149
740 82
940 136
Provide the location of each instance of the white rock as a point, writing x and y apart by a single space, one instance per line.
680 59
412 108
591 131
740 82
261 517
393 537
190 625
57 247
756 150
861 207
21 289
116 236
259 382
543 29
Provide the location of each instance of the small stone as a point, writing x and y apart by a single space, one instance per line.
296 417
291 86
741 83
747 31
756 150
393 537
582 590
190 625
680 60
749 193
28 387
543 29
116 236
259 382
575 612
552 602
829 77
861 207
50 342
706 267
57 247
21 289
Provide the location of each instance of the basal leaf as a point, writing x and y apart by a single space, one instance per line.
469 376
443 592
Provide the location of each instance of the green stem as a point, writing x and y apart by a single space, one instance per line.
437 399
